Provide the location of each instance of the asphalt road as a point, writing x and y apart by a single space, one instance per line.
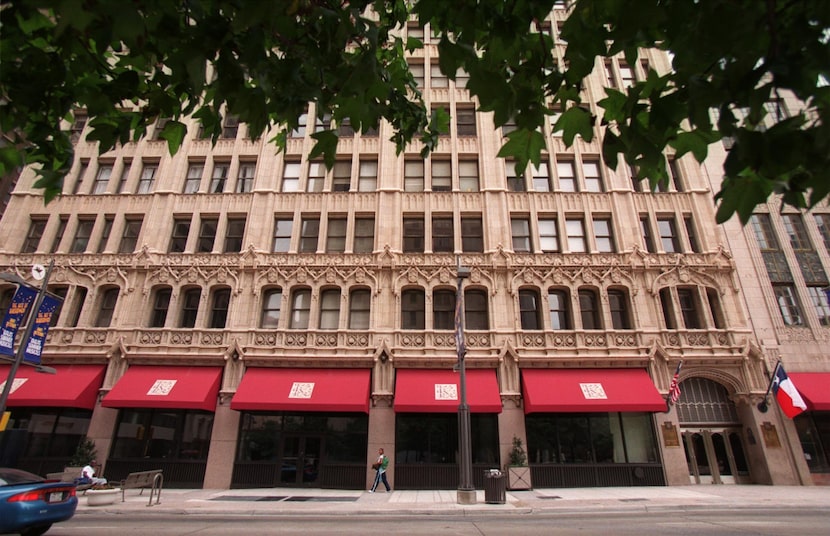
804 522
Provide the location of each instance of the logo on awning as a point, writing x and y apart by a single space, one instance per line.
446 391
17 383
593 391
161 388
301 390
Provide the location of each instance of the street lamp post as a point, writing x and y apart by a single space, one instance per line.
21 349
466 493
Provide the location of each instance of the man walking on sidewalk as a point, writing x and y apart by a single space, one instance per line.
380 466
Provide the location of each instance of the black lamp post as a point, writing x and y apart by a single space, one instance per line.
466 492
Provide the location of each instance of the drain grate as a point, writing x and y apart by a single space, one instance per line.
548 497
282 498
633 500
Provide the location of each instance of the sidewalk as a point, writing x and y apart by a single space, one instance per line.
327 502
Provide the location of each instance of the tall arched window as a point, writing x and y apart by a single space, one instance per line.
589 309
412 309
529 310
106 307
220 303
620 313
271 304
559 304
190 307
360 303
300 309
161 306
475 309
330 308
443 309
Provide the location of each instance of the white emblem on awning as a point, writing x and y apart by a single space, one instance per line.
161 388
593 391
301 390
446 391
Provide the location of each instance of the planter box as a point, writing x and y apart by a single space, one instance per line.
101 497
518 477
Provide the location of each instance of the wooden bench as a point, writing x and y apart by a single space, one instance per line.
69 474
142 480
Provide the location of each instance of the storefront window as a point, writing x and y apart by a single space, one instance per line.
433 438
167 434
814 433
591 438
51 432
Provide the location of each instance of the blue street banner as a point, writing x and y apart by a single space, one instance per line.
34 346
21 302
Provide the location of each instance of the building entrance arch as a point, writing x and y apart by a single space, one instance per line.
712 434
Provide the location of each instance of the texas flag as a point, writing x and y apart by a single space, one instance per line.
789 399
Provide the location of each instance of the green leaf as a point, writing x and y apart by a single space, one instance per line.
696 142
326 145
174 132
524 146
576 121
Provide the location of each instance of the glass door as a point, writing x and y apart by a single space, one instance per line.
300 461
715 456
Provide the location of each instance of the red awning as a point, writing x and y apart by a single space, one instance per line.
74 386
438 391
589 390
813 387
166 387
303 389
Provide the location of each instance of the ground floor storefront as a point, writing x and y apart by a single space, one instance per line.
322 427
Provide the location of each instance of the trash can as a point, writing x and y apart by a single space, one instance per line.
494 487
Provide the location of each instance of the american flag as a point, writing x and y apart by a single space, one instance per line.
674 388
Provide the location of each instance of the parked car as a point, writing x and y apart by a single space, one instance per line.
29 503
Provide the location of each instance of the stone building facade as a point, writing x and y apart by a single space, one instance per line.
247 318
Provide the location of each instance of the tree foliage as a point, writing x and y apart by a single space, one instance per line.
127 63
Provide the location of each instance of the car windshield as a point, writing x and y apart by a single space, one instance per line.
11 477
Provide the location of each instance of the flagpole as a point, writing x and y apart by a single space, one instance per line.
763 406
21 349
673 385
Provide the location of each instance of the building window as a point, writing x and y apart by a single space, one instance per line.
161 122
36 228
476 314
282 235
61 292
190 307
291 177
412 309
271 305
567 176
207 235
360 301
413 176
645 228
823 223
342 176
715 308
336 238
674 175
106 309
667 304
548 235
559 305
161 305
794 226
413 235
437 80
465 121
515 181
299 130
102 179
81 174
219 178
345 129
323 122
690 232
774 259
105 233
148 177
245 177
121 187
541 177
77 307
194 178
417 70
82 234
468 176
178 239
618 304
472 234
520 231
818 295
690 309
230 127
367 181
603 235
77 127
330 309
443 309
529 310
576 235
309 235
788 305
442 234
364 235
234 234
316 177
441 176
626 76
300 309
62 223
589 309
668 235
129 237
593 179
